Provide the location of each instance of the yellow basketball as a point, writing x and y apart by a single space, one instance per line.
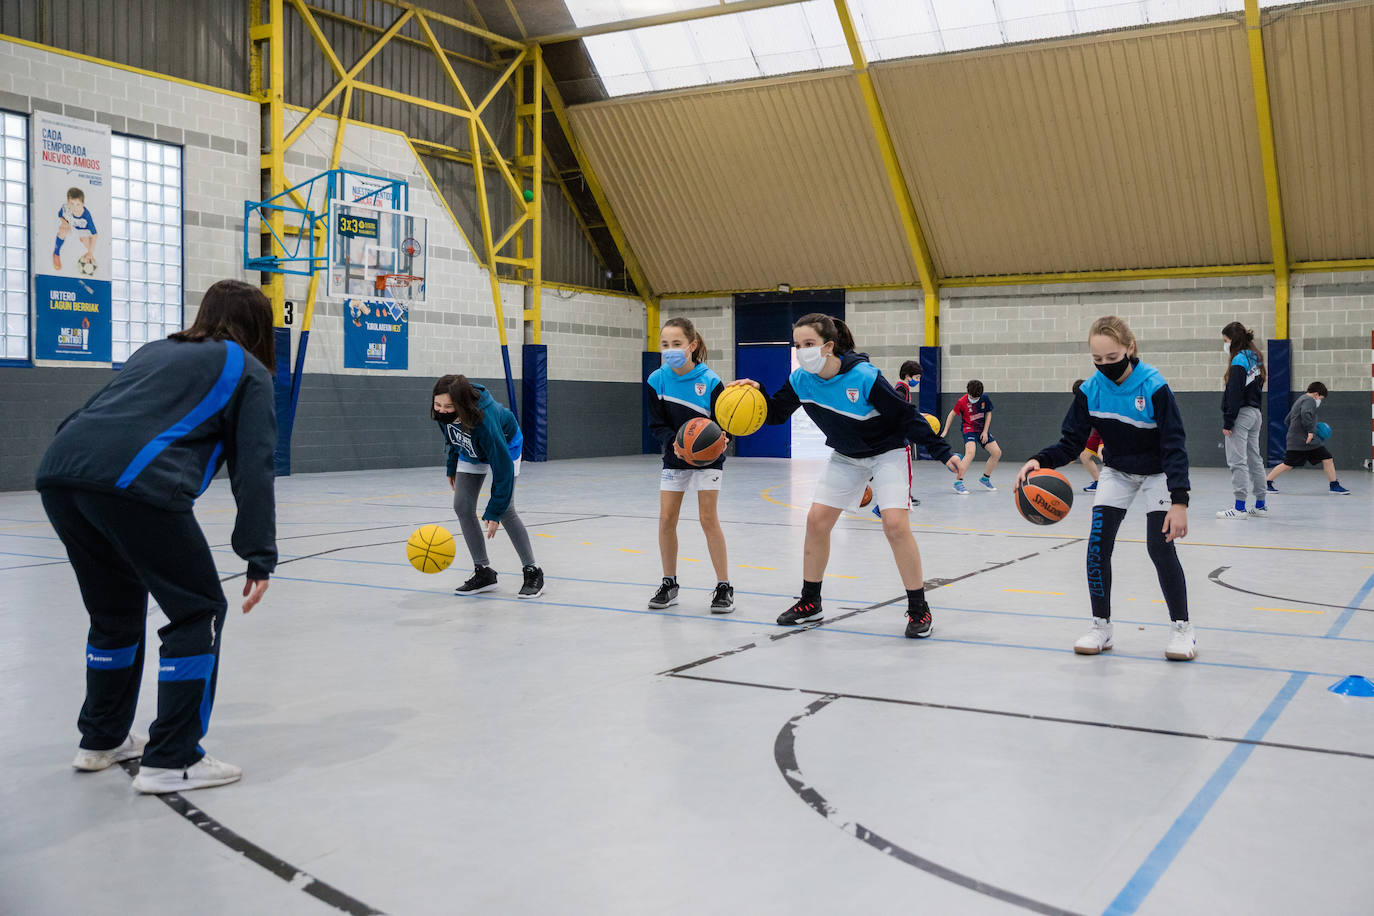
430 549
741 410
933 421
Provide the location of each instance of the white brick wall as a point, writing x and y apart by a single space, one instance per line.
1330 317
888 325
714 320
1034 338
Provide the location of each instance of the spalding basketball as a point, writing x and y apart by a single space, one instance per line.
934 422
741 410
700 442
430 549
1046 497
867 498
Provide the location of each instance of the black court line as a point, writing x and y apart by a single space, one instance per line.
296 877
785 756
1215 576
1010 714
854 612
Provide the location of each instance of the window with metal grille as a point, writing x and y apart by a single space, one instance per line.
14 237
146 228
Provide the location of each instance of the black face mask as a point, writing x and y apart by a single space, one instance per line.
1115 370
446 417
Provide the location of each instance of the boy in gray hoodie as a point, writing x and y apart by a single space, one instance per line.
1303 445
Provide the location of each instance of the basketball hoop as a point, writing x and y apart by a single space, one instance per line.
396 281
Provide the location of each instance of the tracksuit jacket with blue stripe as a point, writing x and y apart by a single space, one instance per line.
161 429
1139 423
858 410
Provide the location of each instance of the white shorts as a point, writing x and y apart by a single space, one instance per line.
1117 489
842 484
468 467
680 480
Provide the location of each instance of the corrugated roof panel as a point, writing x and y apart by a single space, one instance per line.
745 187
1321 86
1129 150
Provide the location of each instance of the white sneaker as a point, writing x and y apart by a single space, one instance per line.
1233 513
93 761
1182 646
1098 639
204 773
1259 511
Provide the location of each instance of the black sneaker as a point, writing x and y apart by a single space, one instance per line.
666 596
723 601
919 624
806 610
915 502
534 583
483 580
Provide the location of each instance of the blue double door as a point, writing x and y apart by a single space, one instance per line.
763 352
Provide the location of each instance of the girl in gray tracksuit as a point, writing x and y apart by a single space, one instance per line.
1241 421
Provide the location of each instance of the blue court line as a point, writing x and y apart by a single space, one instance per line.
722 618
36 556
1350 609
860 601
1168 848
1144 623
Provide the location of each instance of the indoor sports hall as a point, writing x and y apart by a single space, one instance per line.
901 456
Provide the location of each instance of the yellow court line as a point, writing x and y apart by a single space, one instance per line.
747 566
586 543
1290 610
838 576
628 550
689 559
540 534
768 497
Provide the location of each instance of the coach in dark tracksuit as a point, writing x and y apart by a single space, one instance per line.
118 483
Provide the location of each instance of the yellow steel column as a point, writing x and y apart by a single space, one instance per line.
632 265
484 215
270 90
322 230
535 318
1264 121
906 207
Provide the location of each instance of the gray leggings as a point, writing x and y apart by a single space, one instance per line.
466 488
1243 455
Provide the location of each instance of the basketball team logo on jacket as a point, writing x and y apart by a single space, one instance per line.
852 394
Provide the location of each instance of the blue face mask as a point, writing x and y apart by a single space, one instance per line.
674 359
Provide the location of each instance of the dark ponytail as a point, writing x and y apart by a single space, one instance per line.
464 397
693 335
830 329
1242 339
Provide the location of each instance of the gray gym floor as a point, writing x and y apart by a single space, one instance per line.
407 751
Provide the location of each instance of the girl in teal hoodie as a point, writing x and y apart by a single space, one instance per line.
483 436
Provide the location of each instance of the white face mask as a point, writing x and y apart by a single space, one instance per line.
1225 348
812 359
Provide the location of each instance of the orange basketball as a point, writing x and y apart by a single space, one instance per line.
1046 498
701 442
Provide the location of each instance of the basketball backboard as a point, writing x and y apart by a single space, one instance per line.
375 253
